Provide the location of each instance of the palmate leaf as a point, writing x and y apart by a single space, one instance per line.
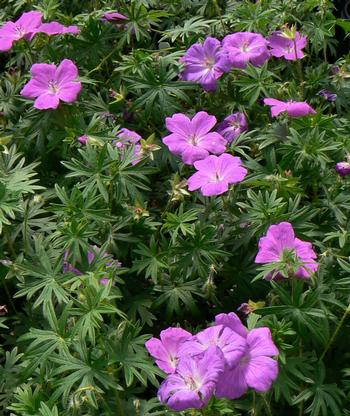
157 91
194 26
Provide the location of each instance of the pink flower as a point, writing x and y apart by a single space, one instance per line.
205 63
56 28
231 344
232 126
166 350
126 136
194 382
279 241
24 27
343 168
216 173
83 139
256 368
246 47
293 108
50 84
110 16
192 139
283 45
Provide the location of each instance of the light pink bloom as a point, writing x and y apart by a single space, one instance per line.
282 45
126 136
192 139
25 27
56 28
292 108
216 173
51 84
166 350
281 237
246 47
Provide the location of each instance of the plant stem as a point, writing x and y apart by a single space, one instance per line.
267 405
300 70
335 334
117 47
120 410
254 404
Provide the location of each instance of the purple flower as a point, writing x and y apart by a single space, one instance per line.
232 321
56 28
290 48
24 27
216 173
83 139
192 139
50 84
343 168
126 136
230 343
166 350
279 241
246 47
256 368
194 382
205 63
293 108
111 16
232 126
328 95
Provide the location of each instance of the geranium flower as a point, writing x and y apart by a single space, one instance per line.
280 240
126 136
205 63
83 139
288 46
343 168
111 16
256 369
246 47
192 139
50 84
56 28
232 126
216 173
194 382
166 350
24 27
230 343
293 108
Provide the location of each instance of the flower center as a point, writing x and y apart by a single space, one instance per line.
20 31
235 124
245 46
53 86
191 383
193 139
245 360
209 63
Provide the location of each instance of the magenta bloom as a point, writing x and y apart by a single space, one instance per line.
280 238
293 108
216 173
192 139
111 16
343 168
230 343
56 28
166 350
232 126
256 368
232 321
25 27
205 63
126 136
51 84
83 139
194 382
246 47
290 49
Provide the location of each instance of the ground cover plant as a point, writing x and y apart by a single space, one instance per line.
174 207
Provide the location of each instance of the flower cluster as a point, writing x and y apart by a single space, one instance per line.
91 255
27 26
206 62
224 360
281 246
193 140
